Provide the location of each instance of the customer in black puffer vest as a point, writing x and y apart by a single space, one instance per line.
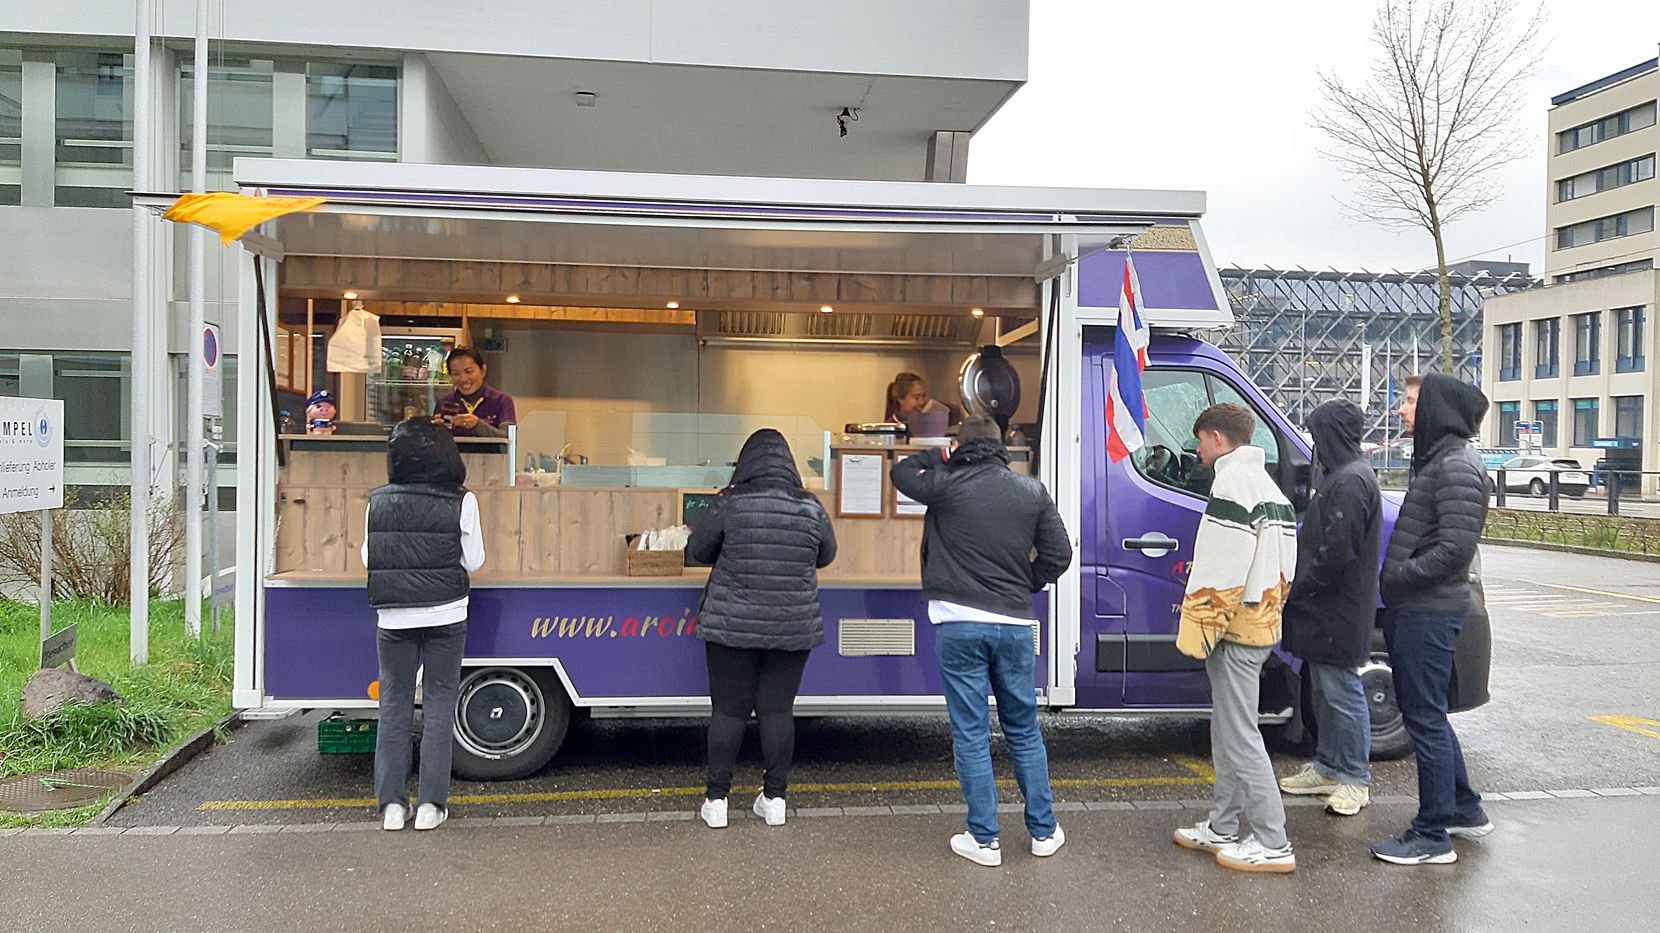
765 536
421 540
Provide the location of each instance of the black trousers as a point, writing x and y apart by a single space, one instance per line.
744 681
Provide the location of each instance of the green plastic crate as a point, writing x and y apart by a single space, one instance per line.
338 735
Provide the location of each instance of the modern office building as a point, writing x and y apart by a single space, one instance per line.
1579 356
1307 337
687 86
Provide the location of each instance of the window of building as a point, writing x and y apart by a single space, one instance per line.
1628 416
1509 414
351 111
1547 335
1613 176
94 154
11 126
1510 352
1628 339
1586 427
1544 412
1629 223
1627 121
1587 343
239 117
93 387
1636 265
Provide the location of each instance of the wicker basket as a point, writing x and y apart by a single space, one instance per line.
655 563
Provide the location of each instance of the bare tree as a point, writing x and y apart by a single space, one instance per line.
1433 118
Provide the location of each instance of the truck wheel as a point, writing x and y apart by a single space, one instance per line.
508 722
1389 737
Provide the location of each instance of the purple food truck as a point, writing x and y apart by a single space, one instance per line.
645 324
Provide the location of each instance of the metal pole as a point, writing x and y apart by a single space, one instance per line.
45 574
213 526
139 560
198 325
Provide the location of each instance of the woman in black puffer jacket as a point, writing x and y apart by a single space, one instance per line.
766 536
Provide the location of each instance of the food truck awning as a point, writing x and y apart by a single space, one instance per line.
497 214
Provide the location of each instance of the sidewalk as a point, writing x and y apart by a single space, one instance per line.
1553 864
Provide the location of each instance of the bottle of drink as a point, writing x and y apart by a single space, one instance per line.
390 366
421 371
408 362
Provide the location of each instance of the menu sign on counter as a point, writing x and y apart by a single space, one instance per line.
861 485
906 507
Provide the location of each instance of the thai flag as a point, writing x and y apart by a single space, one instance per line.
1126 405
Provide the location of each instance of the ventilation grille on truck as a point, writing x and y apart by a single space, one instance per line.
870 637
839 325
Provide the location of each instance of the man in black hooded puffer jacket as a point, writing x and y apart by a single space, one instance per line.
766 536
1426 592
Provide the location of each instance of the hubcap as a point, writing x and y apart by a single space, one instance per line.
1378 680
499 712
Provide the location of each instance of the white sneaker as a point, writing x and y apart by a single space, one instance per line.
713 813
1202 838
770 809
393 817
1043 848
1308 781
428 816
989 854
1249 854
1348 800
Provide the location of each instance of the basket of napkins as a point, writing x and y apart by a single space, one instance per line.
657 553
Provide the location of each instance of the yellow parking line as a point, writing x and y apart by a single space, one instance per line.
1631 724
1583 589
1201 775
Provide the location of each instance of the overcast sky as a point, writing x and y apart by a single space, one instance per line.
1216 96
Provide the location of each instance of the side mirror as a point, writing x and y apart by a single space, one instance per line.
1302 486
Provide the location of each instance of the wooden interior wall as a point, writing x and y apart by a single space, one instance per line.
426 280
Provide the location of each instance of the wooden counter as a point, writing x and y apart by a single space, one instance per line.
360 460
553 533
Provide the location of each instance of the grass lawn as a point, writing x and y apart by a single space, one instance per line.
185 687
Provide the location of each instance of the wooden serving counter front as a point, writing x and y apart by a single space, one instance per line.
533 534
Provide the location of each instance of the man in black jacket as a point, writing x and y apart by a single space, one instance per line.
984 521
1332 608
1426 592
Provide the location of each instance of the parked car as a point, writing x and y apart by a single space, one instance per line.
1531 474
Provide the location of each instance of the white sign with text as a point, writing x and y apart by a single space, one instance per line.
31 454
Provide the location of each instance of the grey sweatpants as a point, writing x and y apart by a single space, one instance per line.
1245 782
402 652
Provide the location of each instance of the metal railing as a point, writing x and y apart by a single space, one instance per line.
1635 491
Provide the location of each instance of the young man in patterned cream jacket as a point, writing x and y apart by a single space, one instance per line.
1243 560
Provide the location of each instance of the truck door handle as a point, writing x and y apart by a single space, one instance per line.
1152 544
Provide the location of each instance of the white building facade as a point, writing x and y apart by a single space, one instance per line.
1580 355
740 87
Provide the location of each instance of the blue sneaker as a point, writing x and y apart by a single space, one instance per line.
1409 848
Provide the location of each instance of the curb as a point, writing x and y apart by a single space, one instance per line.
1572 549
177 757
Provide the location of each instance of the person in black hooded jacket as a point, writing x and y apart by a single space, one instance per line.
1426 592
766 537
1332 608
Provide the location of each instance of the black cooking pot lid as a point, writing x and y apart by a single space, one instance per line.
990 386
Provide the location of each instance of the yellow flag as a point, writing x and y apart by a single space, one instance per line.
234 214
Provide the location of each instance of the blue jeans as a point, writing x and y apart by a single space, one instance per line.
1342 724
1421 653
975 657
